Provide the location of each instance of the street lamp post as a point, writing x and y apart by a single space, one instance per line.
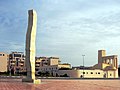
83 65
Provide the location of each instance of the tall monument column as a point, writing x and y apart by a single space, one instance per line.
30 47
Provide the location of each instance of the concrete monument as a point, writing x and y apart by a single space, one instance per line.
30 47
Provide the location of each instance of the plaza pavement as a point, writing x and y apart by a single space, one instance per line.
60 84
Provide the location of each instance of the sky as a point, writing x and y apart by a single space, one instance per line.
66 29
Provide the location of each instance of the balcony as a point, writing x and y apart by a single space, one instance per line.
37 65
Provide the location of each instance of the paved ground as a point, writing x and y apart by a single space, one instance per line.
56 84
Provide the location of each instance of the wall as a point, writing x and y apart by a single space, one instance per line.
3 62
54 61
79 73
51 68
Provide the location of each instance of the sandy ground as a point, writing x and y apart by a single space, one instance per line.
57 84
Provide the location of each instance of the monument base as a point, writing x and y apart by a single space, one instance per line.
35 81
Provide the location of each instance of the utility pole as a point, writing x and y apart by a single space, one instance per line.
83 65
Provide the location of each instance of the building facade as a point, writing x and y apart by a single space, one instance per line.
80 73
46 61
107 67
3 62
109 64
49 64
16 62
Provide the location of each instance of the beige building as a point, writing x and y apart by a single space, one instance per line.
16 62
46 61
107 67
109 64
3 62
49 64
79 73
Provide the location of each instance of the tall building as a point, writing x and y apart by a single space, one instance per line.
3 62
16 62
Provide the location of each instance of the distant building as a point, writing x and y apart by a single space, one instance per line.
16 62
107 67
109 64
49 64
46 61
3 62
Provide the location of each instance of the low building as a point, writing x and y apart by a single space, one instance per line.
46 61
79 73
3 62
49 64
107 67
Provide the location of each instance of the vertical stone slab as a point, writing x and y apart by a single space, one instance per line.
30 46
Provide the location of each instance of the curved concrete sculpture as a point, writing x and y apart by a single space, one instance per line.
30 47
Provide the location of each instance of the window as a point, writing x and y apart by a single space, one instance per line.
86 72
98 72
0 54
83 72
36 69
3 54
17 63
110 74
17 55
91 72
